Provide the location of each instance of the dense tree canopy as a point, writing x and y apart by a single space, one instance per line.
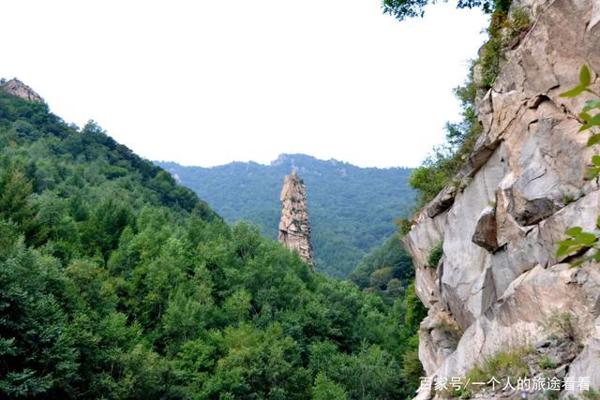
116 283
387 268
402 9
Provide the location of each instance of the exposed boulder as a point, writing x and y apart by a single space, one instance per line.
485 231
442 201
530 212
19 89
521 316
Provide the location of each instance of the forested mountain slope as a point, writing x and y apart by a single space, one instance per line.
116 283
386 267
351 209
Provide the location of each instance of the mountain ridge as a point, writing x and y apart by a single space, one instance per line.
280 159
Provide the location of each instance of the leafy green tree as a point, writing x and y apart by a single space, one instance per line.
15 199
380 278
389 255
402 9
37 354
102 230
326 389
263 363
582 245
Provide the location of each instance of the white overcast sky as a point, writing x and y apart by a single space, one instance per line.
208 82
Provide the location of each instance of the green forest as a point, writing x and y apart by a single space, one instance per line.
117 283
351 209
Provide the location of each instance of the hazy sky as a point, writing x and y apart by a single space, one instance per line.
208 82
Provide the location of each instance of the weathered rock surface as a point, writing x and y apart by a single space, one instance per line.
294 227
19 89
486 234
499 280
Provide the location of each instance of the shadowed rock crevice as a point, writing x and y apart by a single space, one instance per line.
486 231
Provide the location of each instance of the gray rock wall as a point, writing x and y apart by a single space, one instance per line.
499 280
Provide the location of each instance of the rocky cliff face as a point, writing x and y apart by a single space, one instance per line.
19 89
294 228
499 285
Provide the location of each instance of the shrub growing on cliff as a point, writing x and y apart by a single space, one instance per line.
564 326
591 394
446 160
444 163
580 245
435 255
404 225
503 31
510 364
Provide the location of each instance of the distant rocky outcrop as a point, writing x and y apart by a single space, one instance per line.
294 228
499 284
19 89
342 197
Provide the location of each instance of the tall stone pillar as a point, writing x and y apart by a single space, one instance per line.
294 228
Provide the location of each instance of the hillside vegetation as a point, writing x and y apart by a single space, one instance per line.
386 268
351 209
445 161
116 283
